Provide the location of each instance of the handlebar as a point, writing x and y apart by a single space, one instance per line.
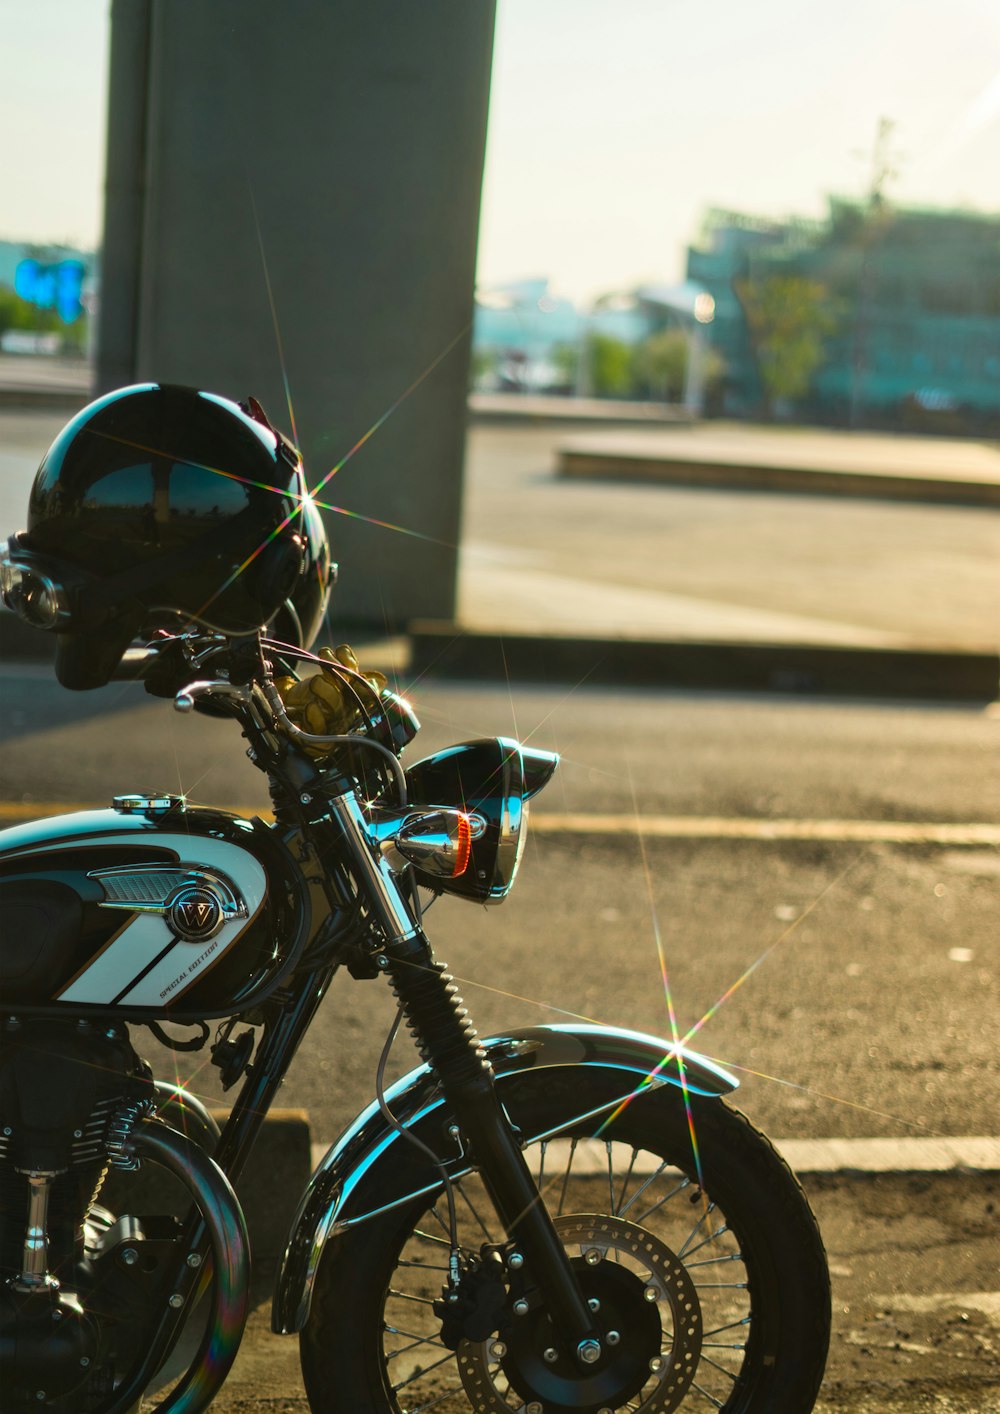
164 665
218 690
135 663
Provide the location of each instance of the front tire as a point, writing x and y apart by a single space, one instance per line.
718 1229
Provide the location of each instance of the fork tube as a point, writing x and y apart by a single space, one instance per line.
447 1041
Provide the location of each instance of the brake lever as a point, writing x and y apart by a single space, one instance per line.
212 691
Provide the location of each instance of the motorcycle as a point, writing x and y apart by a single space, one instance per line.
556 1218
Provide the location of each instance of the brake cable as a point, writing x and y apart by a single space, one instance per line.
454 1274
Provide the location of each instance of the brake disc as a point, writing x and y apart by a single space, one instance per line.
648 1316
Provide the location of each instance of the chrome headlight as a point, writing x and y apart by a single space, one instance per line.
491 779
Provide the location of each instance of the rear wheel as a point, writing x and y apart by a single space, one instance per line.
706 1274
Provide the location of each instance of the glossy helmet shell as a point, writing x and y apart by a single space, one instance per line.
182 505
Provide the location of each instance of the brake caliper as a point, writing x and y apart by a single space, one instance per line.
476 1307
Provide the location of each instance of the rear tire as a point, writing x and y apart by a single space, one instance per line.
735 1219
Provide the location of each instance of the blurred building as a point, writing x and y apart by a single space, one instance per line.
525 339
914 303
45 295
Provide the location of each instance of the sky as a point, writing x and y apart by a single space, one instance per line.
614 124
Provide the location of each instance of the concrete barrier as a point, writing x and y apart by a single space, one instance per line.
448 650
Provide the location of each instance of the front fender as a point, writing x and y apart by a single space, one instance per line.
335 1198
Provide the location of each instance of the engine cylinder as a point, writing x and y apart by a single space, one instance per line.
61 1085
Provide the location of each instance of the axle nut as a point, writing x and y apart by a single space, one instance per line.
589 1352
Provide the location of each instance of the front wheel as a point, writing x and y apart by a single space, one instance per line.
691 1239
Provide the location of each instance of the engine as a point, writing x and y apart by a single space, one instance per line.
70 1092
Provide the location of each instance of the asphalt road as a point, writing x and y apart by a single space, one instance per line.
871 998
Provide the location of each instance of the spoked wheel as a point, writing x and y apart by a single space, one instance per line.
706 1275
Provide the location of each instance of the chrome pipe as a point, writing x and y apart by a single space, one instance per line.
34 1274
224 1226
182 1110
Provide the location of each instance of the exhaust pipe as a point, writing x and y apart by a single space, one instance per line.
222 1223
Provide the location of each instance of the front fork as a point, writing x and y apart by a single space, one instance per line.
447 1042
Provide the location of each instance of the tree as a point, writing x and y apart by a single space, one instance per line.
661 365
609 365
788 318
565 360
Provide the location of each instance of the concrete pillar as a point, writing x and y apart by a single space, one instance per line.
304 198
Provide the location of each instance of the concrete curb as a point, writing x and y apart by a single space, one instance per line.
68 400
533 409
711 473
441 649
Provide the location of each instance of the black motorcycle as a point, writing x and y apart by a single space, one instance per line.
556 1218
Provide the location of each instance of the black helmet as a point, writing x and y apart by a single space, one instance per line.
157 503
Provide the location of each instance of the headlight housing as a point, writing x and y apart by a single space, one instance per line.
492 778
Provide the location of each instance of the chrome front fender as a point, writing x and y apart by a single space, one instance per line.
336 1197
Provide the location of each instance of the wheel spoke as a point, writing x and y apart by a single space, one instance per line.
656 1206
712 1237
643 1186
617 1207
733 1325
417 1340
716 1403
565 1182
445 1227
430 1236
430 1403
709 1261
694 1231
460 1189
418 1374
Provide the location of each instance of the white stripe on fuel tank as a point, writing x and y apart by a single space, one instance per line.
148 934
135 948
182 967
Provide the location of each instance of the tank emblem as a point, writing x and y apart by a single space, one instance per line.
195 913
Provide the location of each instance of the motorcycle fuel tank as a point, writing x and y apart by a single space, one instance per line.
150 909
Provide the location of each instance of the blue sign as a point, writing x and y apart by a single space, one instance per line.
52 285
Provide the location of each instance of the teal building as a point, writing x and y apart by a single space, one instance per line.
914 302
